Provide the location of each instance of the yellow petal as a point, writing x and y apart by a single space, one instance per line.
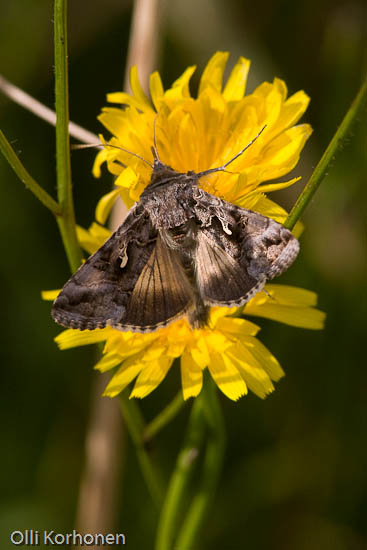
288 295
191 377
266 360
144 103
289 305
99 160
199 353
128 344
176 349
93 238
125 374
182 83
127 179
217 313
268 188
178 332
267 89
271 209
105 205
71 338
156 89
130 186
151 376
237 327
123 98
114 120
236 84
216 106
107 362
154 351
216 340
293 109
227 377
178 96
252 372
85 239
50 295
254 201
282 153
99 233
273 105
186 143
212 76
281 87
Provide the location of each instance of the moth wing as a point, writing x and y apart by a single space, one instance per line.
222 279
131 283
98 292
269 247
161 294
238 250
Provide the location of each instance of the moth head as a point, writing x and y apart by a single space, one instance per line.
161 175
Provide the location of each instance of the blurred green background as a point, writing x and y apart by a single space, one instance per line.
295 469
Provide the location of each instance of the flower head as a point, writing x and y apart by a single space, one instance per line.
236 359
198 134
205 132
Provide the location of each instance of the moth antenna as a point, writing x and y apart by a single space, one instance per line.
154 149
222 168
101 145
130 153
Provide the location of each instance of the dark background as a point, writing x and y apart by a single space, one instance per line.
295 468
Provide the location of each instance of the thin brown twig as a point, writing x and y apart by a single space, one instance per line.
99 488
144 40
28 102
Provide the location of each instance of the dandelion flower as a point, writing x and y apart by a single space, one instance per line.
198 134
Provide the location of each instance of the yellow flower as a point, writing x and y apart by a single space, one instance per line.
205 132
198 134
236 359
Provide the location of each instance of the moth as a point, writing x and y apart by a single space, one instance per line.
179 252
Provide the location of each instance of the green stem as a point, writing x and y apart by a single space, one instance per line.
320 170
26 178
66 221
135 425
164 417
177 490
213 460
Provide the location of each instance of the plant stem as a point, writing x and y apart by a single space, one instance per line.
320 170
135 425
164 417
66 221
213 460
177 490
26 178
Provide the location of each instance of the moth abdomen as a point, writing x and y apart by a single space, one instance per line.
199 317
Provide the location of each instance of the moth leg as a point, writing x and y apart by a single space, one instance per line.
269 295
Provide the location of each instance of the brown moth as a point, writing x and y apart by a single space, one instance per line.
179 252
